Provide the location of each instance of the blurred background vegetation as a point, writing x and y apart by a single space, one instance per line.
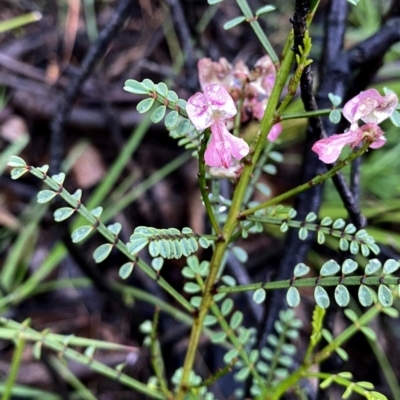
139 174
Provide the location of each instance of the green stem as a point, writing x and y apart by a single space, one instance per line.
252 20
16 362
232 220
306 114
157 360
301 188
310 282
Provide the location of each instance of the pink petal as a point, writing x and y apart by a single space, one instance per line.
370 107
379 143
199 111
384 110
220 101
329 149
258 108
361 105
217 153
373 134
274 132
223 146
214 72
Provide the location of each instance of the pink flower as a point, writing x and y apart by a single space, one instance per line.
211 110
274 132
368 106
215 72
329 149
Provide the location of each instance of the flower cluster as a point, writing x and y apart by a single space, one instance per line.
254 86
368 106
224 86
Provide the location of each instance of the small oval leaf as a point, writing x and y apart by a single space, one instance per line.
364 296
372 266
59 178
293 297
335 116
45 195
339 223
162 89
158 114
330 268
240 254
335 99
115 228
236 320
126 269
145 105
154 248
102 252
63 213
321 297
303 233
265 9
320 237
259 296
301 269
204 242
173 97
326 221
227 307
96 212
191 287
342 295
349 266
81 233
354 247
157 263
390 266
133 86
234 22
193 245
343 244
137 244
171 120
16 162
164 248
16 173
184 243
385 296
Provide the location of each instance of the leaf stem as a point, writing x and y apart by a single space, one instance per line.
310 282
301 188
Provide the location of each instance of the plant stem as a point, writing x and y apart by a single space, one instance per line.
301 188
16 362
306 114
232 219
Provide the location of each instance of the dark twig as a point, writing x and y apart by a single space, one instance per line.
333 79
66 102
